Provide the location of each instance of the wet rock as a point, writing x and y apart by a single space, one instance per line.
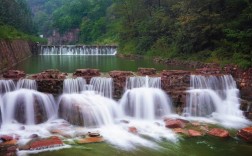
119 80
219 133
14 74
147 71
5 138
33 136
194 133
245 134
90 140
174 123
60 132
180 131
87 73
93 134
37 144
50 74
8 146
132 130
124 121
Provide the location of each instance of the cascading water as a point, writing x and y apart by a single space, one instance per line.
148 102
78 50
88 109
137 82
104 86
6 86
27 106
27 84
74 85
214 96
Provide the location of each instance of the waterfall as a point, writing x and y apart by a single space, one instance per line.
137 82
88 109
74 85
6 86
102 85
78 50
144 99
27 84
146 103
27 106
214 96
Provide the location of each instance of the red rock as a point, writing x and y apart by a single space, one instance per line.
174 123
44 143
14 74
180 130
90 140
50 74
87 73
132 130
219 133
147 71
245 134
194 133
6 138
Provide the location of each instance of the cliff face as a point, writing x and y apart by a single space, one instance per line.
12 52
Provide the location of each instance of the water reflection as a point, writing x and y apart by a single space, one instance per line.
39 63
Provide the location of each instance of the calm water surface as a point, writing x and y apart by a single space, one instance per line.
69 64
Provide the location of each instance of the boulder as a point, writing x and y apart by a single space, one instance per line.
174 123
245 134
219 133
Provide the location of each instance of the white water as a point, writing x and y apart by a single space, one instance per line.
144 99
6 86
23 106
27 84
139 81
103 86
146 103
78 50
215 97
74 85
91 109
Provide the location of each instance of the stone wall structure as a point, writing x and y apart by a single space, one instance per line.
12 52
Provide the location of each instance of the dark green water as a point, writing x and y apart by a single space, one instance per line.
69 64
203 146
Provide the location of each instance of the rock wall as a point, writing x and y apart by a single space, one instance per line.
12 52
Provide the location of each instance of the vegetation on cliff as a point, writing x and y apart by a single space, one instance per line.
205 30
16 21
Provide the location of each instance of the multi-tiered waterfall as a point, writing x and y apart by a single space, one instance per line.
78 50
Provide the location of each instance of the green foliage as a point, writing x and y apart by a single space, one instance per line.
11 33
207 30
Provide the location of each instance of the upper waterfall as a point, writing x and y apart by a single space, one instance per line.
78 50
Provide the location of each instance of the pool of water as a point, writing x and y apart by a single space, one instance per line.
35 64
204 146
